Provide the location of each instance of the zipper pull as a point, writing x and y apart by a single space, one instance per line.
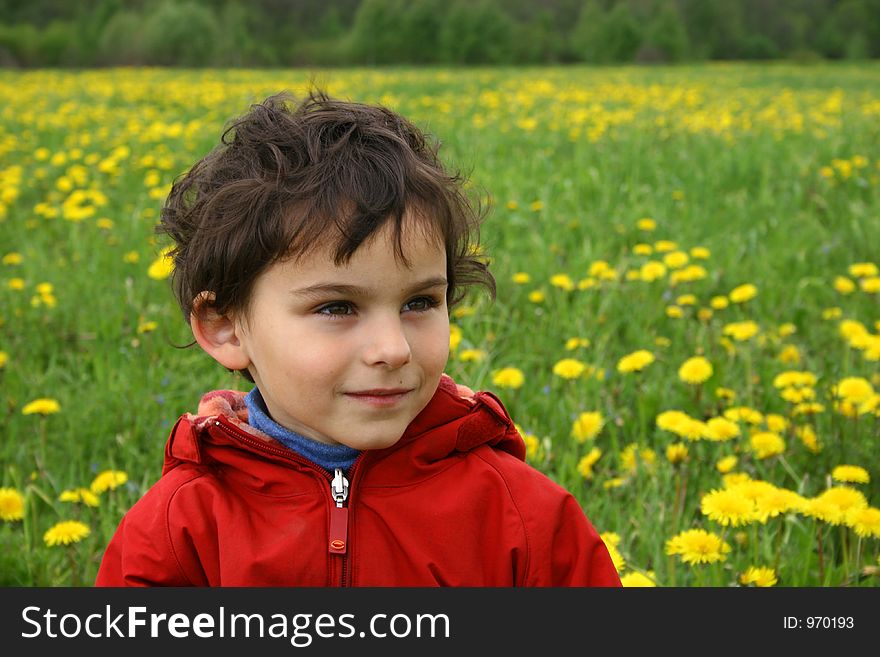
338 514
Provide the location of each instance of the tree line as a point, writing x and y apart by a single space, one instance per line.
269 33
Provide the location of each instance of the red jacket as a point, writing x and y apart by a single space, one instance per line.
451 504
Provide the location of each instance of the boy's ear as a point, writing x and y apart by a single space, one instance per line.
219 335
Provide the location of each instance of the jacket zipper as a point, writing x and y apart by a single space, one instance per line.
339 490
339 519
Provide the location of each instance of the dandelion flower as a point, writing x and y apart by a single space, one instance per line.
720 429
854 388
741 331
42 406
163 266
635 362
108 480
472 355
844 498
696 546
719 303
509 377
728 507
843 285
66 532
760 577
586 463
850 473
726 464
4 358
808 437
587 426
569 368
521 278
652 270
574 343
671 420
766 444
83 495
537 296
700 253
676 453
863 270
11 505
562 281
695 370
637 579
646 224
743 293
455 336
611 541
864 521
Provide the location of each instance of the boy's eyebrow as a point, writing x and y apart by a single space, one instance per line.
325 289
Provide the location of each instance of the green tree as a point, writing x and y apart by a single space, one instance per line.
666 36
477 33
121 42
181 34
376 32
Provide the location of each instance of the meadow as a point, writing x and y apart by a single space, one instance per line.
686 328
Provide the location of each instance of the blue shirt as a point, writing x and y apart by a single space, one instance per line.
322 454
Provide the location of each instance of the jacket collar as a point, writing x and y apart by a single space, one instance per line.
449 424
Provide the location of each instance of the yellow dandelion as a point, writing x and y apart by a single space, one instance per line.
725 393
741 331
850 474
586 463
66 532
646 224
870 285
697 546
637 579
720 429
537 296
509 377
651 271
665 246
743 293
83 495
42 406
676 259
562 281
843 285
700 253
575 343
854 388
864 521
766 444
863 270
728 507
719 303
472 356
12 259
726 464
790 355
455 336
807 436
676 453
695 370
635 362
11 505
761 577
587 426
163 266
108 480
569 368
521 278
643 249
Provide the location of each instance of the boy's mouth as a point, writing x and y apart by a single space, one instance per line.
380 396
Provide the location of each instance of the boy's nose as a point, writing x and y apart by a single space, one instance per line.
388 344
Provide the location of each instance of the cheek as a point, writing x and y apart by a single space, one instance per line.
435 347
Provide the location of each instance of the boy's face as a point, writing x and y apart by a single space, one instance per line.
350 354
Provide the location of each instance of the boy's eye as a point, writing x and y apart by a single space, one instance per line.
421 304
336 309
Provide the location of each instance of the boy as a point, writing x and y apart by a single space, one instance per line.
317 252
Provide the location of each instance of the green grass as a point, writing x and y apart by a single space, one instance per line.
726 157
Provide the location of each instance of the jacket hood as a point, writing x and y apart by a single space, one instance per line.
449 424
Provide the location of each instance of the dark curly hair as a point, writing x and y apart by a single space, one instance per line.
286 177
